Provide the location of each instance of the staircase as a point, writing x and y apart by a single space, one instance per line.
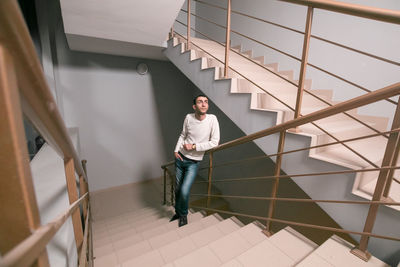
145 237
258 99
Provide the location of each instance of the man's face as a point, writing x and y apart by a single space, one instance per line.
201 106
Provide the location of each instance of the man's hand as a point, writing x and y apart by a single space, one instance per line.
178 156
188 147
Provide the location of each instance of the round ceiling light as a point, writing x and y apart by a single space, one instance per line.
142 68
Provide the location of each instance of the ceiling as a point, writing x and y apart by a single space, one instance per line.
121 27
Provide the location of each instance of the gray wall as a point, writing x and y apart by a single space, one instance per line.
382 39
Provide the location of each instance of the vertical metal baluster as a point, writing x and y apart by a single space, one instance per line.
274 192
390 154
304 61
228 39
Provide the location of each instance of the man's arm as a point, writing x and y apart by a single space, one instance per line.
214 138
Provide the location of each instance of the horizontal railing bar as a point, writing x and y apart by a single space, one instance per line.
303 149
262 65
326 228
380 14
253 17
250 59
264 44
345 145
353 103
269 22
26 252
37 100
244 77
248 37
346 81
345 113
208 4
304 200
209 21
313 36
356 50
300 175
167 164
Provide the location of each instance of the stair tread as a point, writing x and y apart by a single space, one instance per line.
371 149
293 244
192 227
228 246
202 257
186 244
336 252
264 254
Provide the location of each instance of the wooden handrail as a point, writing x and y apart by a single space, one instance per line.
37 100
353 103
301 149
167 164
380 14
291 176
28 250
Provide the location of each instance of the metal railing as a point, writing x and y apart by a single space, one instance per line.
386 170
24 91
384 180
285 104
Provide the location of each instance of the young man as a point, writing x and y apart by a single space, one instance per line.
200 133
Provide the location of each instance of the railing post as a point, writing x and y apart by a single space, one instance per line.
165 187
228 38
173 181
277 173
210 170
171 33
84 162
304 61
82 191
188 25
73 196
391 172
19 210
383 179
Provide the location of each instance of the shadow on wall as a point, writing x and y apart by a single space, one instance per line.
174 101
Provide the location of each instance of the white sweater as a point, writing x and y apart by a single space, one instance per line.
205 134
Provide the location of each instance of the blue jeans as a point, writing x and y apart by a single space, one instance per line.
186 172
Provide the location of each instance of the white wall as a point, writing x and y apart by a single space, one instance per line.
382 39
114 109
117 112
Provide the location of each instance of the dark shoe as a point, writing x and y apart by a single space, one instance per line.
182 221
175 217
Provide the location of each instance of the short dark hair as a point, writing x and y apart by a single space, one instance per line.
195 99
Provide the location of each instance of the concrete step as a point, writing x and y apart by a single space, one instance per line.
336 252
174 250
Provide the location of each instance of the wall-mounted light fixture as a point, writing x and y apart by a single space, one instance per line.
142 68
